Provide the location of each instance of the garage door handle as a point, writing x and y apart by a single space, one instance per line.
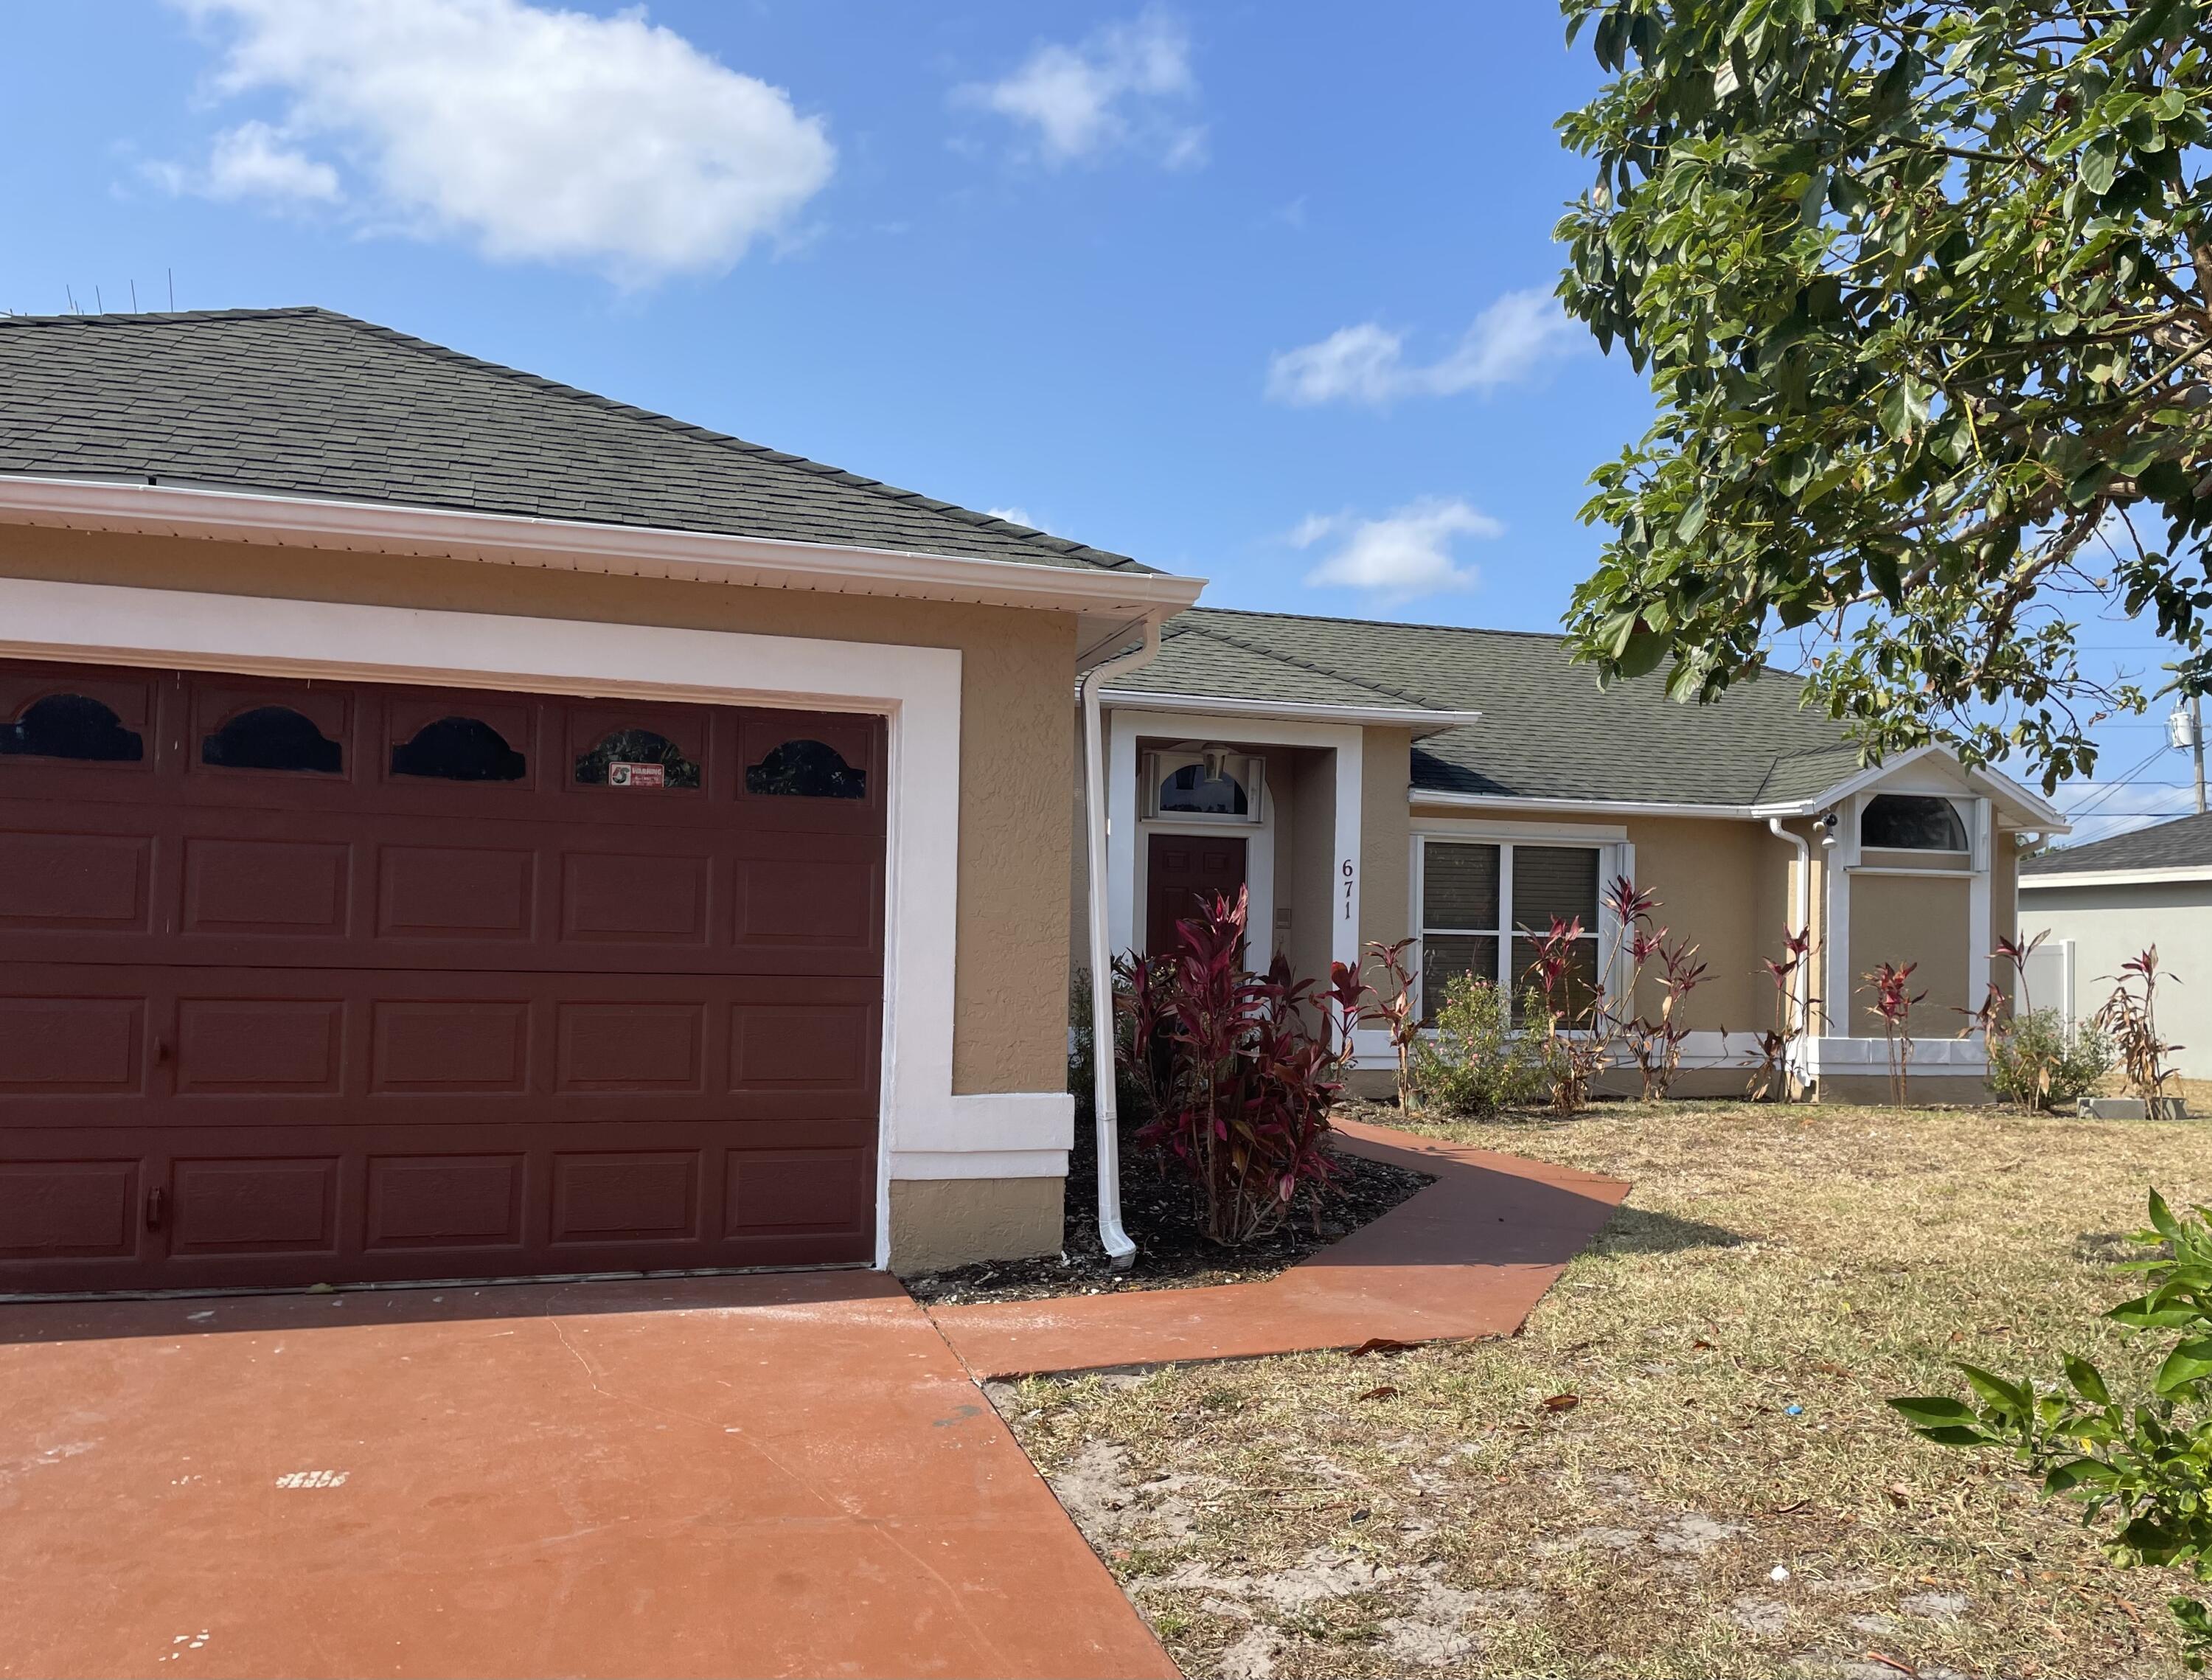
157 1204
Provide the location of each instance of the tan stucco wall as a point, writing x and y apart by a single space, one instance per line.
1017 740
1386 835
940 1222
1725 887
1903 919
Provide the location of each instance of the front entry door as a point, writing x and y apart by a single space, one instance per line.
1182 873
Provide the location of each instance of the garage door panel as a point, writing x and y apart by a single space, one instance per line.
461 893
265 1205
71 1046
68 1209
342 982
438 1202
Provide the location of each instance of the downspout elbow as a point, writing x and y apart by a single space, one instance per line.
1112 1236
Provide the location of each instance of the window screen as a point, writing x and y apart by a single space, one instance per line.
1554 881
1459 886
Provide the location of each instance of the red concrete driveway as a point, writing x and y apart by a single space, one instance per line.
761 1475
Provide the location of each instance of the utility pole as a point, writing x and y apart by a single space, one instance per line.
2196 746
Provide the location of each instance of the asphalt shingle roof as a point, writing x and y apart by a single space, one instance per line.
312 403
2186 842
1546 730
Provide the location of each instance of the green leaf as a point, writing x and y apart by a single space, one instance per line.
2087 1382
1935 1411
2190 1362
2079 1473
2016 1398
2100 162
2163 1219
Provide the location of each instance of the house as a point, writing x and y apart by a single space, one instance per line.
2107 901
454 825
1372 782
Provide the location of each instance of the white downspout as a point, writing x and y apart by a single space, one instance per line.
1119 1248
1799 987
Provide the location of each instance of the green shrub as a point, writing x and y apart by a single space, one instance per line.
2135 1464
2032 1062
1475 1063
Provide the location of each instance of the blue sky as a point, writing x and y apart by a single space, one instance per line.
1248 292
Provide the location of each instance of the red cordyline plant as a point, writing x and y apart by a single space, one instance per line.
2132 1022
1894 998
1238 1082
1393 1005
1577 1031
1654 1042
1773 1078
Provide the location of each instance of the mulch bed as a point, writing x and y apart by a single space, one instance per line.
1172 1253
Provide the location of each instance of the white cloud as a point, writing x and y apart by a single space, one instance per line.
1013 516
1407 553
1508 342
535 134
253 160
1129 84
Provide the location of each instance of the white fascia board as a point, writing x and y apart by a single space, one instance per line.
300 521
2189 872
2039 815
1421 719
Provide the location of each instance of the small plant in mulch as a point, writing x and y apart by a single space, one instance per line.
1238 1071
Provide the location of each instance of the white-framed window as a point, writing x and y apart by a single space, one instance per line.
1204 785
1911 822
1484 903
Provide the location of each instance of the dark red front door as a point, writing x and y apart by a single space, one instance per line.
1182 873
319 982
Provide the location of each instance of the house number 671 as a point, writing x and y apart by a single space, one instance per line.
1347 889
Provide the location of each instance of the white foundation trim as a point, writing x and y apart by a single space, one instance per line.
1031 1120
300 521
908 1164
916 689
1860 1055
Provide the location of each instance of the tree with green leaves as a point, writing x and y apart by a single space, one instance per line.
1924 293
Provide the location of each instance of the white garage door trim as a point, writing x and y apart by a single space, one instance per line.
916 689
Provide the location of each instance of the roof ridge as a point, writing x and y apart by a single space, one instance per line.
1296 663
1103 559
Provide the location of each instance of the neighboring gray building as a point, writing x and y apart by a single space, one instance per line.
2105 902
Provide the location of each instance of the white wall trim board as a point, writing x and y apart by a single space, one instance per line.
300 521
1859 1056
917 689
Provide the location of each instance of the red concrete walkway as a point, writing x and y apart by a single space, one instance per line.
758 1476
1470 1256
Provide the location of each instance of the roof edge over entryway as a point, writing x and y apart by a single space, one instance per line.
300 521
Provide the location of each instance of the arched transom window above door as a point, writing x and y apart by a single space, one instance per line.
1205 785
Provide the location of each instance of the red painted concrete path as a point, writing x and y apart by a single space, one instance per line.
1469 1257
758 1476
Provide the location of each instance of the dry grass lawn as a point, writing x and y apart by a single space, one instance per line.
1446 1511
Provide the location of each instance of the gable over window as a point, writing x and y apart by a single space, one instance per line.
1911 822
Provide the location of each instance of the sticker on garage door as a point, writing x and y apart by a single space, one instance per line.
620 774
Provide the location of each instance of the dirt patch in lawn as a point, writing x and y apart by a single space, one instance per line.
1684 1463
1161 1217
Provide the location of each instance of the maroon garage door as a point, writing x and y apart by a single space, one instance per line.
324 982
